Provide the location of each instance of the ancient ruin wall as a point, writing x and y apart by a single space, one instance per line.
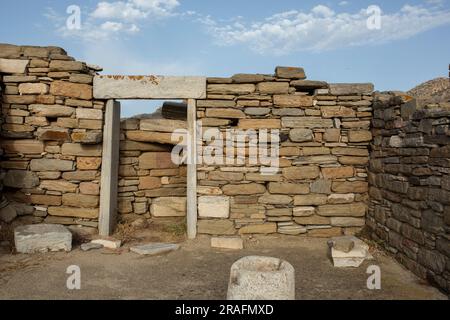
150 184
321 186
410 184
51 137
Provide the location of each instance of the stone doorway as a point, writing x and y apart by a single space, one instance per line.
114 88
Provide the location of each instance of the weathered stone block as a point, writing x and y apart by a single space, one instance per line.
72 90
225 113
42 238
290 72
92 114
359 136
265 228
292 101
273 87
88 163
58 185
76 149
351 88
21 179
306 122
350 186
33 88
216 227
259 124
214 206
51 165
243 189
231 88
149 183
261 278
301 173
233 243
53 111
310 200
288 188
168 207
13 65
53 134
80 200
343 210
301 135
156 160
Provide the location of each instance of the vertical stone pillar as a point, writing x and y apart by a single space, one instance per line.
192 171
110 169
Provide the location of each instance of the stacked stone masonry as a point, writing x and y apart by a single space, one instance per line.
150 183
51 137
410 184
321 186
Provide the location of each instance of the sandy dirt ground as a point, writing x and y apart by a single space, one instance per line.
197 271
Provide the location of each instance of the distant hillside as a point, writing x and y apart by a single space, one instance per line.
433 91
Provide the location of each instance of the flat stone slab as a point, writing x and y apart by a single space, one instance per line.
153 249
234 243
110 244
42 238
354 257
149 87
91 246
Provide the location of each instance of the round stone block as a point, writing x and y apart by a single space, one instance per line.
261 278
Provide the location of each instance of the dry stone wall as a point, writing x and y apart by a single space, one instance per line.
51 137
321 186
150 183
410 184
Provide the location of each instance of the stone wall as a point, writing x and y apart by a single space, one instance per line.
51 137
321 186
410 184
150 184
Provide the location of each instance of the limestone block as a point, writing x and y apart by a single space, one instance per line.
354 258
225 113
247 78
156 160
168 207
53 134
53 111
61 65
344 210
110 244
306 122
259 124
265 228
71 90
21 179
292 101
273 87
13 65
73 212
87 113
58 185
230 89
214 206
87 137
301 135
243 189
290 73
350 88
42 238
51 165
216 227
154 249
76 149
149 87
233 243
261 278
33 88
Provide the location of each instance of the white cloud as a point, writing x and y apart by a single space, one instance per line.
132 10
112 19
344 3
323 29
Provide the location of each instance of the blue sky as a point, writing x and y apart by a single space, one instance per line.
330 39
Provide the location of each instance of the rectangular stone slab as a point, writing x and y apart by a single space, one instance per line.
154 248
42 238
149 87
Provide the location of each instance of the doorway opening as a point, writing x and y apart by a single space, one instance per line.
152 189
